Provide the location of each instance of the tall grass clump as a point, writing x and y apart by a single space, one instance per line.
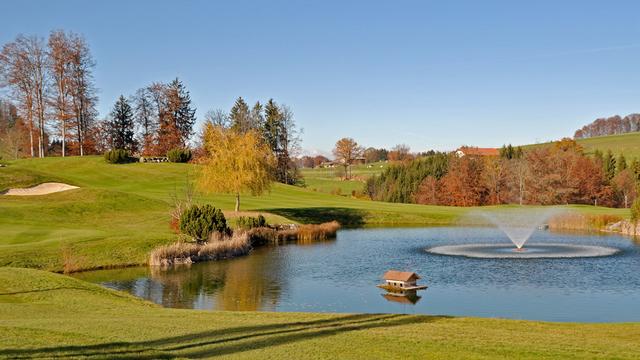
302 233
220 246
573 221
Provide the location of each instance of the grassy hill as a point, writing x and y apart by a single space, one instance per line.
46 315
627 144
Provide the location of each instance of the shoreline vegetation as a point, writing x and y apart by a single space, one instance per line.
223 246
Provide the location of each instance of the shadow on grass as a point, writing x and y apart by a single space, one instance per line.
317 215
223 341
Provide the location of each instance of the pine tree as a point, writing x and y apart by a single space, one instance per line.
271 133
121 126
240 116
184 115
621 164
609 166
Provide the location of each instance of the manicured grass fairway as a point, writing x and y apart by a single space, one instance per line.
49 315
121 212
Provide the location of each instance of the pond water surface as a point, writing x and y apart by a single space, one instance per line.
341 275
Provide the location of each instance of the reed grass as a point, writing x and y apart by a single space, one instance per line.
218 247
301 233
589 222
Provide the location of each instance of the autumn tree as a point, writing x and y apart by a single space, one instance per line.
83 91
236 163
14 136
374 155
345 151
400 152
121 126
463 186
23 68
59 46
625 184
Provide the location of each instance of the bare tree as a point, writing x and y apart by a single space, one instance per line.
37 60
23 68
83 92
60 68
145 118
218 117
14 73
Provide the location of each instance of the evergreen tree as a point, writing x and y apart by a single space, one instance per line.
121 126
621 164
635 169
609 165
183 114
240 116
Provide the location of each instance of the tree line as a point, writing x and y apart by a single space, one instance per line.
609 126
156 119
548 175
51 83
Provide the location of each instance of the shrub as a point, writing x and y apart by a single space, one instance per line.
179 155
117 156
200 221
248 222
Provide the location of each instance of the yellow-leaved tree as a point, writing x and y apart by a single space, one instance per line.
237 163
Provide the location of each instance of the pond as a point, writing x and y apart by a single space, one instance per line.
341 275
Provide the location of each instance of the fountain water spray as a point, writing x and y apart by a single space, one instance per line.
518 223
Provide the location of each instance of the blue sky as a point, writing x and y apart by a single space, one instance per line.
428 74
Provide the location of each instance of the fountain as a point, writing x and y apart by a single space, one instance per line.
519 224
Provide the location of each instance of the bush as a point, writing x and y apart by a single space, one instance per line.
248 222
117 156
179 155
200 221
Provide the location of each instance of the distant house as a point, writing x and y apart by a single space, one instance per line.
476 151
401 279
359 161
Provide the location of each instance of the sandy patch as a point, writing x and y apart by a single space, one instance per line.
42 189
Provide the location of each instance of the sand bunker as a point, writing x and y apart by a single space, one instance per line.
42 189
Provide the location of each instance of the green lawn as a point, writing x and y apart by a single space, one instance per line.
46 315
121 212
328 180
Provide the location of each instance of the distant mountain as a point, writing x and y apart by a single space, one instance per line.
613 125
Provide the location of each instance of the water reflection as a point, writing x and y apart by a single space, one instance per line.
403 297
